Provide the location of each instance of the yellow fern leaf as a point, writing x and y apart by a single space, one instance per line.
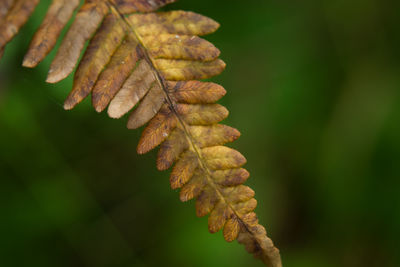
148 63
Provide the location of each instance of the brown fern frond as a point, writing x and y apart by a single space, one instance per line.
149 64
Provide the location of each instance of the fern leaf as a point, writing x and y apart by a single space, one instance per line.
149 64
168 46
173 22
14 16
46 36
98 53
195 92
135 88
115 73
84 26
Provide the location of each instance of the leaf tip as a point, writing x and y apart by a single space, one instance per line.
131 125
68 105
98 109
143 147
113 113
54 77
29 62
222 64
98 103
162 164
140 150
213 25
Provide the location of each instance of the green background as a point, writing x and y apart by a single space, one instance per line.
313 86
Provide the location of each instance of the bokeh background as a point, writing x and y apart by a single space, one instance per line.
312 85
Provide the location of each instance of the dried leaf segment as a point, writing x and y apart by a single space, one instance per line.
149 64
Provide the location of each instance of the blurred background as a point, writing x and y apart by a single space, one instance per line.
313 86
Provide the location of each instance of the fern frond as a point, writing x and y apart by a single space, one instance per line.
148 63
